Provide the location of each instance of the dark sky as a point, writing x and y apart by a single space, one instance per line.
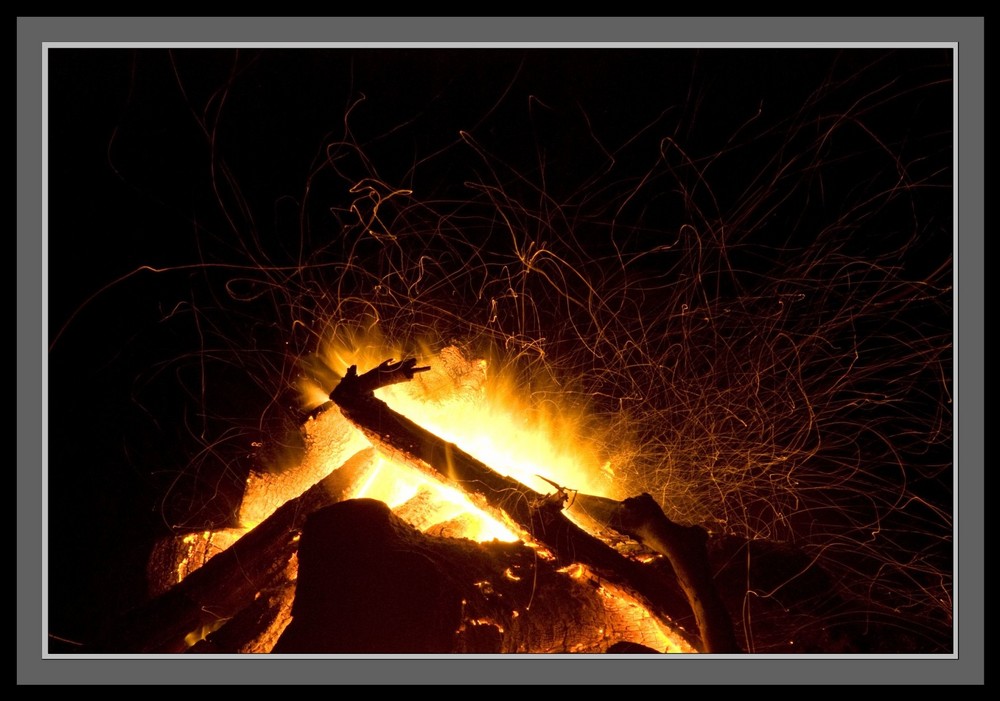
211 164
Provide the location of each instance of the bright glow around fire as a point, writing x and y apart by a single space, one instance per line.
515 439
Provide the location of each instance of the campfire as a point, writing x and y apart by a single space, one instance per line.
387 538
498 371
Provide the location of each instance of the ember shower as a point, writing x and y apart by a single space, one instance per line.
732 269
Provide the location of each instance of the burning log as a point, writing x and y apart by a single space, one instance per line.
541 517
231 581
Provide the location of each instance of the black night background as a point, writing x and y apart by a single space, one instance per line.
745 255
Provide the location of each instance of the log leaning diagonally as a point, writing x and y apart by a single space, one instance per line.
230 581
542 518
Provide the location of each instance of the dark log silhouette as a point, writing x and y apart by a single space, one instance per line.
370 583
642 518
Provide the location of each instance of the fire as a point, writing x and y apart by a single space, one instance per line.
530 436
463 402
777 337
482 410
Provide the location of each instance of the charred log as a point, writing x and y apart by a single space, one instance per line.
642 518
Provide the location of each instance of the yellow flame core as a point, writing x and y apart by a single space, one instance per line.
522 433
517 440
396 485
